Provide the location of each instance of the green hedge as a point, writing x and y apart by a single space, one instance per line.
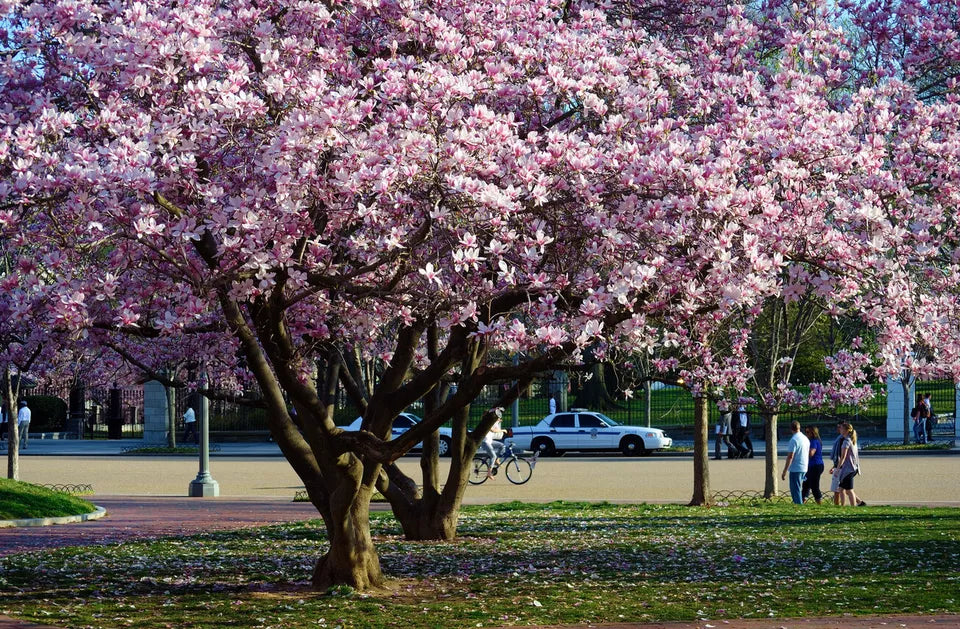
48 413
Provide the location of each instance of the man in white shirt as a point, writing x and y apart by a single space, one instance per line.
190 425
23 423
798 459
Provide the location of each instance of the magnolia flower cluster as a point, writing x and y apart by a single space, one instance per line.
379 164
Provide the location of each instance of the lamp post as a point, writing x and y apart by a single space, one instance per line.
203 486
515 407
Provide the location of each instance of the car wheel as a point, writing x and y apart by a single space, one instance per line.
632 446
544 446
443 447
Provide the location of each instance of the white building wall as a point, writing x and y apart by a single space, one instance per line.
154 414
895 408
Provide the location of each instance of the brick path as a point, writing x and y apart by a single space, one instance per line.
143 517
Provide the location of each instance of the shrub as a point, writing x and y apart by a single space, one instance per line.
48 413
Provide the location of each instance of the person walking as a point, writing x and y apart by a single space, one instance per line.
4 428
930 420
23 424
811 484
835 460
848 467
190 426
723 435
798 459
741 433
918 414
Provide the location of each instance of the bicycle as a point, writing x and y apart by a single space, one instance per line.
518 469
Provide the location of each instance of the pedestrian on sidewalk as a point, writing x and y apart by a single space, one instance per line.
190 425
724 429
4 427
741 433
23 423
811 483
798 459
919 420
848 467
930 420
835 460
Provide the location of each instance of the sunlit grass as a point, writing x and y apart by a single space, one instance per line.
518 564
23 500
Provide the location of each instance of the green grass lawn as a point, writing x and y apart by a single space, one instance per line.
517 565
23 500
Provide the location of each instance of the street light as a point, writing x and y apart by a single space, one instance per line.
203 486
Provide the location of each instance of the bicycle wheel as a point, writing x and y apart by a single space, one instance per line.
518 470
478 471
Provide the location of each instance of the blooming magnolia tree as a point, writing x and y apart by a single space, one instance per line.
878 191
308 179
431 184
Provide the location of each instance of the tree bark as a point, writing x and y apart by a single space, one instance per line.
594 394
905 379
701 453
171 416
426 517
352 558
13 430
771 486
433 513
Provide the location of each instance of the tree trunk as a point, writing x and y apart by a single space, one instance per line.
905 379
594 393
430 514
425 522
701 453
647 411
352 559
171 416
13 450
771 487
13 431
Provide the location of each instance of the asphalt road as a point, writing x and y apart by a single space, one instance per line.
887 479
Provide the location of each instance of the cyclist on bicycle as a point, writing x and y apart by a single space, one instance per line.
493 449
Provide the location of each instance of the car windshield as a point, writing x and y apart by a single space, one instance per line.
606 419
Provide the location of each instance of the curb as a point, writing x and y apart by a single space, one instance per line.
66 519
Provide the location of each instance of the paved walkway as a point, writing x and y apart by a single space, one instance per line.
144 517
886 479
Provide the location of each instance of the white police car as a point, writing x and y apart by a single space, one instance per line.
406 421
583 430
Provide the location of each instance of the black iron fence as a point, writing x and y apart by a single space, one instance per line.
99 412
111 412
